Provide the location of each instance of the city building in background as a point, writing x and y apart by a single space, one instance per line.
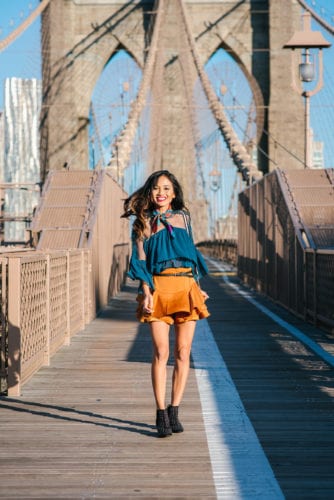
317 152
21 165
318 160
2 140
2 192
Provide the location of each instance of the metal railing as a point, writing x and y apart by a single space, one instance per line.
50 294
226 250
46 299
319 287
3 324
275 255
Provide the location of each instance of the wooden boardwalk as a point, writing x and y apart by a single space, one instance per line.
84 426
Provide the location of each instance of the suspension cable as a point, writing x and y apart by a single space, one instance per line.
23 26
238 152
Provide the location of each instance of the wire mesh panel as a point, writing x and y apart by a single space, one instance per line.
253 258
284 248
119 264
269 232
309 283
323 237
32 318
46 304
89 291
76 292
299 272
273 253
108 232
67 196
58 300
243 232
226 250
62 217
3 326
260 236
291 255
325 286
70 178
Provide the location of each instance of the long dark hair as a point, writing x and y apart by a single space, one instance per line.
140 202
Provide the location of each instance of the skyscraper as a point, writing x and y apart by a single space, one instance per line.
2 156
21 149
317 152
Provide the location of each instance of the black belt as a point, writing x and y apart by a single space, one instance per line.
189 274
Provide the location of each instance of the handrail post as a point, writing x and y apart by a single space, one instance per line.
82 272
275 256
14 327
68 323
305 282
47 347
315 304
3 321
296 272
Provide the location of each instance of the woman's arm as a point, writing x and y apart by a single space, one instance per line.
148 298
138 269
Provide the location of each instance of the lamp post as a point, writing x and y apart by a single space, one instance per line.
311 44
214 186
124 89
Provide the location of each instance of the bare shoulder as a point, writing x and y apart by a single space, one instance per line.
181 218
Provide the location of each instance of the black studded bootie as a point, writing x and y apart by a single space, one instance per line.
173 415
162 423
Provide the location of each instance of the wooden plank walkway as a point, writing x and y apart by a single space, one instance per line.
84 426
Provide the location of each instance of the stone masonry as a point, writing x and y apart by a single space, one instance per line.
80 36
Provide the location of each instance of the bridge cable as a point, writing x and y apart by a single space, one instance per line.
23 26
123 144
238 152
269 135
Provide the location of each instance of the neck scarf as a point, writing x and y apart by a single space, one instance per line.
158 218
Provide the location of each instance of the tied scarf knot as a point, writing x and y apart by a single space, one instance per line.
162 218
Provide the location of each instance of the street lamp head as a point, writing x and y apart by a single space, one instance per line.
307 38
215 179
307 71
309 42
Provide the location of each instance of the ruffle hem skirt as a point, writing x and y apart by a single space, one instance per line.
176 299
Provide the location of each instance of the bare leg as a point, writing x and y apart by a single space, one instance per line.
184 334
160 339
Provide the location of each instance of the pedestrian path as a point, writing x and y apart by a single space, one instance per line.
258 411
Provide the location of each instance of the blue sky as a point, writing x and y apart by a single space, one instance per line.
22 57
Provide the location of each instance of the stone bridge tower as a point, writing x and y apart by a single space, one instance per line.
80 36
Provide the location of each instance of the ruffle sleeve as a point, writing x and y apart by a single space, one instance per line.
201 265
138 268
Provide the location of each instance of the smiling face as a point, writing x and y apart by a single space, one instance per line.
163 194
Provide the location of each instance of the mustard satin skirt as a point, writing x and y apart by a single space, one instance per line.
176 299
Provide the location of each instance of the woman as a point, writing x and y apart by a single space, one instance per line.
165 261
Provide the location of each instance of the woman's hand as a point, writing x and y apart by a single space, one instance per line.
148 303
204 294
148 300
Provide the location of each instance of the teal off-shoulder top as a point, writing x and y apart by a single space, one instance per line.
163 250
